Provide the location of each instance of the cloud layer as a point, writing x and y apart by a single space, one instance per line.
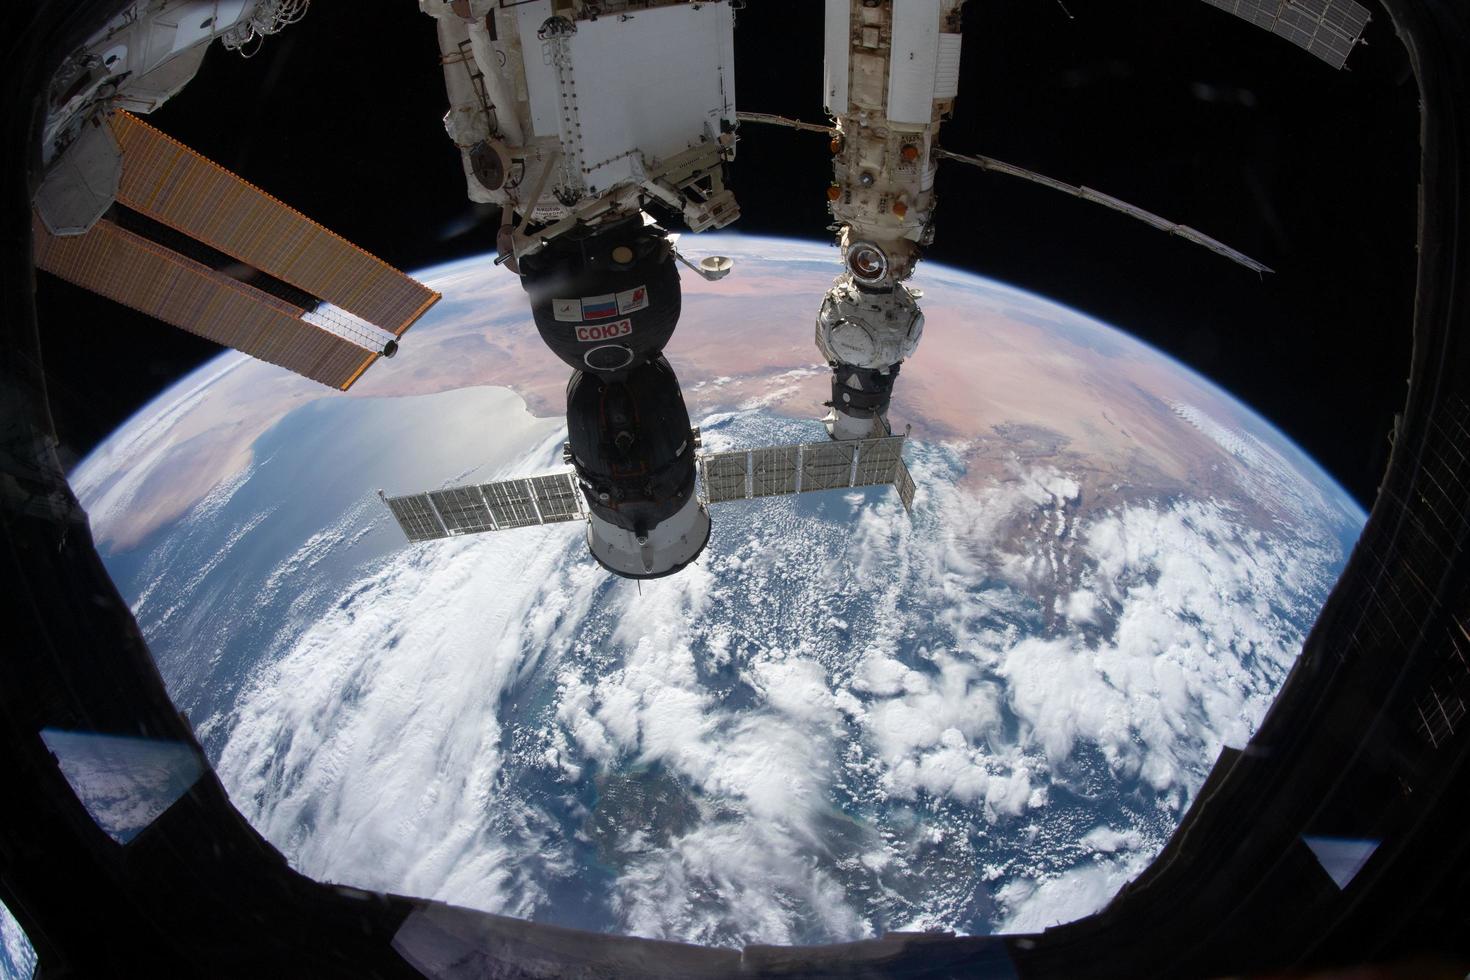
840 721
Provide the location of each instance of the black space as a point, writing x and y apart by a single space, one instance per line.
1171 105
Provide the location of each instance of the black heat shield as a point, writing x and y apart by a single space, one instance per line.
1344 750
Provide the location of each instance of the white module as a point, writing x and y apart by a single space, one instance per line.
868 330
892 70
150 51
667 547
566 111
138 61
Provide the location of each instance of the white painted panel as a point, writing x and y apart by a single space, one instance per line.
947 78
116 59
654 84
159 37
541 81
914 61
727 69
834 65
203 19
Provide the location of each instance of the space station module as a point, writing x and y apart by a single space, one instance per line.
890 75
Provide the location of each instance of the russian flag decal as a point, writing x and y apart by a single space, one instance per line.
599 307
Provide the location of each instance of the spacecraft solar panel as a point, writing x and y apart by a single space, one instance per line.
170 183
827 465
557 497
463 510
1132 210
415 515
478 507
510 503
878 461
806 467
904 483
1327 28
773 470
129 269
723 475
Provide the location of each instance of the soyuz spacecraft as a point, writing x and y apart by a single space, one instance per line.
590 124
579 120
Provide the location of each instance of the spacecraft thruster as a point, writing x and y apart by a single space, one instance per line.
127 212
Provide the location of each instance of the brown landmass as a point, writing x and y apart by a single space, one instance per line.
994 376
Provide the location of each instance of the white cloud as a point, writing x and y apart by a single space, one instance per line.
867 713
729 872
370 751
19 961
1033 905
878 720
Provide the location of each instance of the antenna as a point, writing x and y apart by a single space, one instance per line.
711 267
992 165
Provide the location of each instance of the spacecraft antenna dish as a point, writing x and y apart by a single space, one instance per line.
710 267
716 266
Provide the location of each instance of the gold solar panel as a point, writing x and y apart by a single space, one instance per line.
171 183
131 270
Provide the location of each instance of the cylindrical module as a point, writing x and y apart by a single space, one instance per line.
891 75
630 442
605 299
859 397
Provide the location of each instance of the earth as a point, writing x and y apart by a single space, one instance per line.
842 720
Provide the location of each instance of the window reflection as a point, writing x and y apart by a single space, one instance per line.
125 783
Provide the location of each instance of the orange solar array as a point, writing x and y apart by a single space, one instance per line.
131 270
171 183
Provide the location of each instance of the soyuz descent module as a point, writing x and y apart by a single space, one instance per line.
588 122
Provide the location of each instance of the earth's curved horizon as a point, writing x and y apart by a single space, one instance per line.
840 721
